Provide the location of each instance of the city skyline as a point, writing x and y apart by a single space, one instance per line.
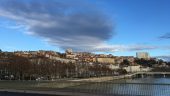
121 27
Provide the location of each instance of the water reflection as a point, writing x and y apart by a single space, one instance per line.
148 86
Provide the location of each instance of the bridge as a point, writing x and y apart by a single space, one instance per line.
150 73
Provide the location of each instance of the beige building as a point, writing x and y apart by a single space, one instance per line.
105 60
144 55
69 54
135 68
114 66
69 51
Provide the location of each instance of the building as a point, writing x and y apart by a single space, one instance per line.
144 55
114 66
145 69
69 51
64 60
69 54
134 68
105 60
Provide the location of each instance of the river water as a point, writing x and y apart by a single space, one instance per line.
148 86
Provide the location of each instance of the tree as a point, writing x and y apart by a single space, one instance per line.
147 63
122 71
168 63
125 63
160 61
19 67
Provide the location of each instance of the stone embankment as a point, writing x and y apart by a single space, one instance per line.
67 84
102 79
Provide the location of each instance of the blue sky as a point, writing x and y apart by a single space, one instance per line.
120 27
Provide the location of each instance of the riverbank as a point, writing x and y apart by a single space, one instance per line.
53 87
102 79
5 93
14 92
39 93
45 85
101 86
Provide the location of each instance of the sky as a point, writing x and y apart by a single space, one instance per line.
119 27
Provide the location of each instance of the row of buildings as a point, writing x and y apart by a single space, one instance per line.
51 64
113 62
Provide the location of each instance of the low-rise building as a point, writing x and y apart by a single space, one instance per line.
134 68
105 60
114 66
144 55
146 69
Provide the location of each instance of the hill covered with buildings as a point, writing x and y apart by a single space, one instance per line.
51 65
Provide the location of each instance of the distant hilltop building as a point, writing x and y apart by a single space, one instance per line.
69 51
69 54
144 55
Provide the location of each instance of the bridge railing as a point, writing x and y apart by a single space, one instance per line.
122 89
110 88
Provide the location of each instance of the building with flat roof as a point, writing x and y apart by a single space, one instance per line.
144 55
105 60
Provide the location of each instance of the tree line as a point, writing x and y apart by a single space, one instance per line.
14 67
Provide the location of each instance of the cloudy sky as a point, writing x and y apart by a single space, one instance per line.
120 27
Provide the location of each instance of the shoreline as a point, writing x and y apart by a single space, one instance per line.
103 79
65 92
55 93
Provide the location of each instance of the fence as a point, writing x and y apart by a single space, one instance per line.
92 88
122 89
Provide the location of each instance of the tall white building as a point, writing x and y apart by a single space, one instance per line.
144 55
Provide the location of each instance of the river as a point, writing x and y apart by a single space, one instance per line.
148 86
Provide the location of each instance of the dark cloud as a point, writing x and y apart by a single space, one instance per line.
75 24
165 36
66 24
